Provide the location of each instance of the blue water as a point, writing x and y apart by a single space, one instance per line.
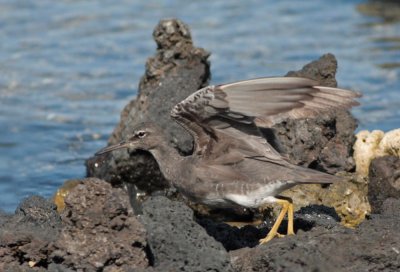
67 68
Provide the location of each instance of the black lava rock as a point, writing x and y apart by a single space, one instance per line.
384 181
177 242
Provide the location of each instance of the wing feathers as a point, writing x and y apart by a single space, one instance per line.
269 83
262 101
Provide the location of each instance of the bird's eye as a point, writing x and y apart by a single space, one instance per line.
141 134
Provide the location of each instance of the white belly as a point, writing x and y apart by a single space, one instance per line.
261 196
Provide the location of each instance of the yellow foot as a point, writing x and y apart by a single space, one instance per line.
280 235
287 207
269 237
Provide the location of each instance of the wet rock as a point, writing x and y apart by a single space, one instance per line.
177 242
100 231
177 69
384 181
374 246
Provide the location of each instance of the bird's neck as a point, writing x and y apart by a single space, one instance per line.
169 161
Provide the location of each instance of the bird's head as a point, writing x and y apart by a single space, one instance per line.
145 136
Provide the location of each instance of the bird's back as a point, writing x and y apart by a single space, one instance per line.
243 167
231 158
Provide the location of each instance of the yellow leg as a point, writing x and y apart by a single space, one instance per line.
290 228
287 207
274 230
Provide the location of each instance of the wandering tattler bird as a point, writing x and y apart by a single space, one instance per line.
232 164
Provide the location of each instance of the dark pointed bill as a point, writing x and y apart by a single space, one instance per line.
108 149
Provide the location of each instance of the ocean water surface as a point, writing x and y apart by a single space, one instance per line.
68 67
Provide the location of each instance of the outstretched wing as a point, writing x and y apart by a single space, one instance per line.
234 110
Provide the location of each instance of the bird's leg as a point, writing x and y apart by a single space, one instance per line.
274 230
290 227
287 207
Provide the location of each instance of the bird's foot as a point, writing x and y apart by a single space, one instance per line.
270 236
280 235
287 207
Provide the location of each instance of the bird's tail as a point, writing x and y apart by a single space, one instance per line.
311 176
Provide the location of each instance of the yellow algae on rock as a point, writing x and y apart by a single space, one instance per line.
62 192
348 198
353 205
365 149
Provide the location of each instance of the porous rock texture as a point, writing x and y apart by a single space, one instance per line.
384 181
366 148
98 231
248 236
177 69
177 242
95 232
26 236
325 142
373 246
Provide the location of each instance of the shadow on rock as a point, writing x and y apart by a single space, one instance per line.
177 242
233 237
373 246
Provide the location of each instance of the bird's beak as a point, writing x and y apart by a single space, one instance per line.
123 144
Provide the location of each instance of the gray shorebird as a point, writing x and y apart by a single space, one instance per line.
232 164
